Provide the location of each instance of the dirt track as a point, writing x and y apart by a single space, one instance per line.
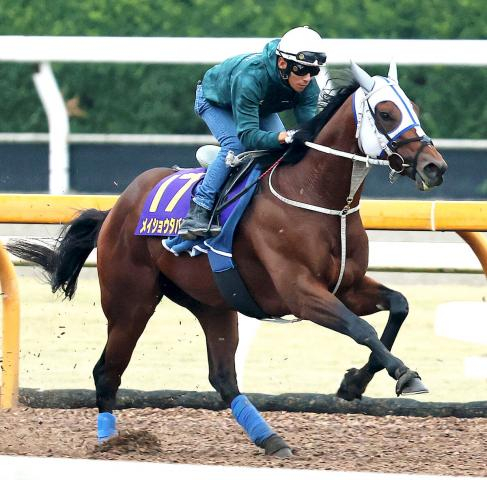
338 442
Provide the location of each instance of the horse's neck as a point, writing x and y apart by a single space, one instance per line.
325 179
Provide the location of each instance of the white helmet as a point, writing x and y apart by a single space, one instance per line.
302 45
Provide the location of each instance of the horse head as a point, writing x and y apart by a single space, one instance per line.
388 126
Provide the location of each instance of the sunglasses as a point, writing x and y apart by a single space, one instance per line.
311 57
302 70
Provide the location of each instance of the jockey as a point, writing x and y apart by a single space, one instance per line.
239 100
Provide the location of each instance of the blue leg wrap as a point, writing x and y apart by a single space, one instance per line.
106 426
250 420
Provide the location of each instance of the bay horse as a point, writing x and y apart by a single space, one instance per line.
301 249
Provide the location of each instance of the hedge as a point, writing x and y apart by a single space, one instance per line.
109 98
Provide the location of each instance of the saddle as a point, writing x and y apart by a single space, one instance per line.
241 165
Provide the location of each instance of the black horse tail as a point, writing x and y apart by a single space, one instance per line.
63 261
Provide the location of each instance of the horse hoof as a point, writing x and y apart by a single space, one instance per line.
410 384
347 390
347 395
103 440
277 447
283 453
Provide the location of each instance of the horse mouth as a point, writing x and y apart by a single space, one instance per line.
420 183
424 184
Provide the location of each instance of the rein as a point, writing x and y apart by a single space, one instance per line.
359 158
238 160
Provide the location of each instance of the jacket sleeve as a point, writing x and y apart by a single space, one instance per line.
246 96
306 109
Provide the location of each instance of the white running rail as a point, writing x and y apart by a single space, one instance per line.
34 468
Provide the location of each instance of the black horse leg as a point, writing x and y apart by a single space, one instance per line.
370 298
221 331
313 301
98 372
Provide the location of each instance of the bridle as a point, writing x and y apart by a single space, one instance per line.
396 161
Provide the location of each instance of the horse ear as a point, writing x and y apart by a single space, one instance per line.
393 72
362 77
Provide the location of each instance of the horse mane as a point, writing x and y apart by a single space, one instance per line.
332 99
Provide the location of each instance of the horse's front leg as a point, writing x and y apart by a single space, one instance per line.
370 297
221 331
312 301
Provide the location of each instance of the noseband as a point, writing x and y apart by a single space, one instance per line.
397 164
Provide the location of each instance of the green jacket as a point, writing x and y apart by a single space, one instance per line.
251 86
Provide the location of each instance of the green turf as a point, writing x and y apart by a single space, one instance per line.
61 341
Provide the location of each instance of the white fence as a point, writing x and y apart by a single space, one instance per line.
207 50
189 139
32 468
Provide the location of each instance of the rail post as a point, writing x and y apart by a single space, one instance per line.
478 243
11 332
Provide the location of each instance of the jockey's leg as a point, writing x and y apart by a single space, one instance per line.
222 126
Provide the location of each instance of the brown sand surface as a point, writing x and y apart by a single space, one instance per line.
449 446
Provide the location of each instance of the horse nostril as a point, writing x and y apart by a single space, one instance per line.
432 170
434 174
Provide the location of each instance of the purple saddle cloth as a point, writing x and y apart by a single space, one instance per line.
168 202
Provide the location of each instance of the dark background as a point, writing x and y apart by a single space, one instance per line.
109 168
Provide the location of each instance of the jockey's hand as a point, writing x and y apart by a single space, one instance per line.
286 136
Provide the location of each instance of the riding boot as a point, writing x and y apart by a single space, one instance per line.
196 224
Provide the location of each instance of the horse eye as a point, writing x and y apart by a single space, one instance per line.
384 116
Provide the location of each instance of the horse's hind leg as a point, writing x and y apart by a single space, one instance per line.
221 331
369 298
128 304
